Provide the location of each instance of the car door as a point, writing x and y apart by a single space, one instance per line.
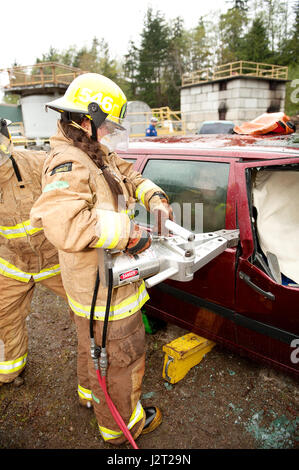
199 189
267 312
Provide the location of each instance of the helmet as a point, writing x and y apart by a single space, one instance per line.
94 96
5 141
154 119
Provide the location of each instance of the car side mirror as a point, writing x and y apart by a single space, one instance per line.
274 266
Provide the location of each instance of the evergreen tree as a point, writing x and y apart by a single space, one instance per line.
175 66
231 30
130 67
289 47
153 54
200 50
256 43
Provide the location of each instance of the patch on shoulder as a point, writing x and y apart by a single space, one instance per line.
64 167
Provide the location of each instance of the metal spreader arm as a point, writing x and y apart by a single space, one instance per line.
177 256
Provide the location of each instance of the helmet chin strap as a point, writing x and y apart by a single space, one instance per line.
97 118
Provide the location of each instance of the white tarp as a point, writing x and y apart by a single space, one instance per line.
276 198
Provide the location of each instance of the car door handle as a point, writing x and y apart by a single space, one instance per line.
248 281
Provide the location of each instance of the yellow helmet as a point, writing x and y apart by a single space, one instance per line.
95 96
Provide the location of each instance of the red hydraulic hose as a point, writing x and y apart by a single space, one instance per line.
102 380
117 417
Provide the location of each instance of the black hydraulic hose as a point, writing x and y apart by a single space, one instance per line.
109 295
93 303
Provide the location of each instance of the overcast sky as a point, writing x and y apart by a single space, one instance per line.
30 27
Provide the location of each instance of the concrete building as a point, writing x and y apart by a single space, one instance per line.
36 85
235 92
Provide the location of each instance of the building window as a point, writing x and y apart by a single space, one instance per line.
272 85
222 86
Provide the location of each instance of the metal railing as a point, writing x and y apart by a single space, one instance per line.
41 74
233 69
169 122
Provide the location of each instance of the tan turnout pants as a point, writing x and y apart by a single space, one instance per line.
15 300
125 348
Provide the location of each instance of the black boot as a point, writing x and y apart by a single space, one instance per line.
153 417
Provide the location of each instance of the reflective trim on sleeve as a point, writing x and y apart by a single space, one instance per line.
143 188
129 212
137 415
122 310
18 231
112 229
9 270
84 393
8 367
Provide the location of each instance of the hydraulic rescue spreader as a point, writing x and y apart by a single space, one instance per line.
176 256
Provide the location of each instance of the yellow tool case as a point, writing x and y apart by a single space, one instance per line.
182 354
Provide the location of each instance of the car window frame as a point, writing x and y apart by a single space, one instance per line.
245 224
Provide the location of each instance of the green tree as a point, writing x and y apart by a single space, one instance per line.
200 46
130 68
289 46
231 30
256 43
153 54
178 50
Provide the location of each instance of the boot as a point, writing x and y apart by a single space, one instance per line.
85 403
153 418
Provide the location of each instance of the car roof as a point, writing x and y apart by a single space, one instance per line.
240 144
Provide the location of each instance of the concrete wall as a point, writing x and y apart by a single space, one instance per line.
37 122
244 99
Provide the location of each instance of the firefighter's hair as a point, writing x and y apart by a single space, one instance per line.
93 149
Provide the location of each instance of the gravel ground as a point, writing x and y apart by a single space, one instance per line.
224 402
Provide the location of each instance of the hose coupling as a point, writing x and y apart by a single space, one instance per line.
103 362
95 352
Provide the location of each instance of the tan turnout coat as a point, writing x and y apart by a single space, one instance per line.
73 188
79 214
24 251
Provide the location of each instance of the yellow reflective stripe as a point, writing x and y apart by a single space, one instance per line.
137 415
18 231
143 188
46 273
117 312
84 393
109 433
8 367
129 212
9 270
111 229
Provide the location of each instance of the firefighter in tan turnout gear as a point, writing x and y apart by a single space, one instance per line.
26 256
86 203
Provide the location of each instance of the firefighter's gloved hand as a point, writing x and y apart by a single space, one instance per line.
162 211
139 240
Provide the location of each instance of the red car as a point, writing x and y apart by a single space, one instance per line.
241 299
